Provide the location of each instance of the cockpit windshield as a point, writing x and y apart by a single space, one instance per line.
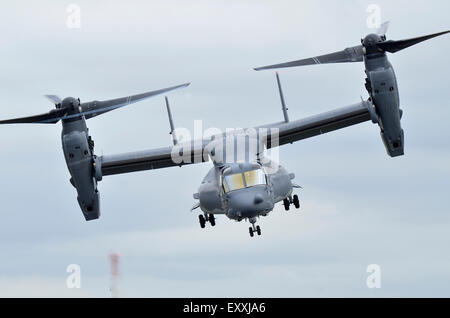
254 177
241 180
233 182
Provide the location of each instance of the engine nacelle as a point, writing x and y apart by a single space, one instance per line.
385 104
85 171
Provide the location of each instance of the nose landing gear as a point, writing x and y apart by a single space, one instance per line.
206 218
291 200
254 228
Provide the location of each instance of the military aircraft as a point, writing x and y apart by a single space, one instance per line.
244 182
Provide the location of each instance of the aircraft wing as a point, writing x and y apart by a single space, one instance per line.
288 133
320 124
148 160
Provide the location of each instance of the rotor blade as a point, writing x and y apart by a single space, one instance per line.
94 108
51 117
395 46
351 54
382 30
54 99
90 109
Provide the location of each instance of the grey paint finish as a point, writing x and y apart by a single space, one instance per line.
383 88
78 153
210 194
246 203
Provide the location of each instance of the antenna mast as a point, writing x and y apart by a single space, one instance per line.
114 261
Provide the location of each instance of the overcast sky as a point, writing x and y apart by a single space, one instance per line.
359 206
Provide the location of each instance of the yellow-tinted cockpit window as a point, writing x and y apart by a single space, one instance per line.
233 182
254 177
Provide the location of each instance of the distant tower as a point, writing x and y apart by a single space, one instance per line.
114 260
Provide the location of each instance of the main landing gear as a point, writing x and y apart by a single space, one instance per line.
206 218
254 228
291 200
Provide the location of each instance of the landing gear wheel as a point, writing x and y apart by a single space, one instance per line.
202 221
250 230
286 204
296 202
258 230
212 220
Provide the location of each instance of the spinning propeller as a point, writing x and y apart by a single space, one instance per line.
72 108
370 45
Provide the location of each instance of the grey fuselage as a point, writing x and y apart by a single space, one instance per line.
247 202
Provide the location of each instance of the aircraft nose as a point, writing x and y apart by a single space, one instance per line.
249 202
258 198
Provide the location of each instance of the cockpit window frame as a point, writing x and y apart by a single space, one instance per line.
226 186
260 173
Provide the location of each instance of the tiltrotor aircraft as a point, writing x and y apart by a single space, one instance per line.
244 182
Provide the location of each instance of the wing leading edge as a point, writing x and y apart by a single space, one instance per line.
151 159
323 123
288 133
